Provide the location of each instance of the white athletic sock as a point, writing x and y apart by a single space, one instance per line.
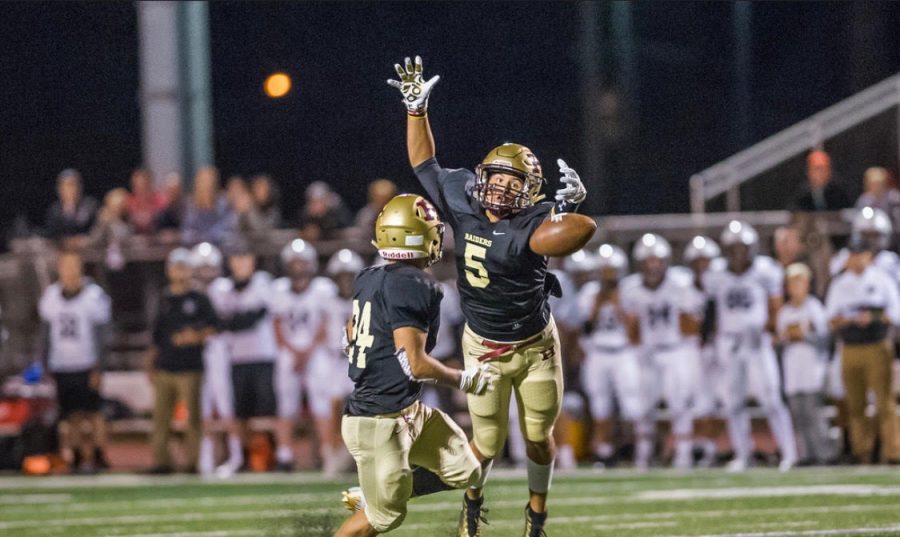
540 477
604 450
485 470
284 455
565 456
684 456
642 452
739 432
206 462
235 451
708 446
783 430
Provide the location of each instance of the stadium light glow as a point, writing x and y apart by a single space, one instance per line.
277 85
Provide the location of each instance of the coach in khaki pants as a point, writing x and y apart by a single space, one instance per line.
175 361
863 305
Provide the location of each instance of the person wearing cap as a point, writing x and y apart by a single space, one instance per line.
802 331
324 215
821 193
72 213
862 307
175 360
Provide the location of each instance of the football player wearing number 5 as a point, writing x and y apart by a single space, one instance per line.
402 448
503 238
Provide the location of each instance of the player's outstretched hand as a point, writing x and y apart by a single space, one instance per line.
572 192
477 380
414 88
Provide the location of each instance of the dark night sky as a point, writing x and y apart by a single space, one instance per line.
69 88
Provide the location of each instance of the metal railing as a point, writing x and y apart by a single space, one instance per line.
729 174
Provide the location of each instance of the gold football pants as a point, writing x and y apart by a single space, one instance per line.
533 370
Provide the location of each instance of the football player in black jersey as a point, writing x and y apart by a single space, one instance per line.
402 448
504 286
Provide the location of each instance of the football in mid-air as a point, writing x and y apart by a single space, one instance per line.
562 235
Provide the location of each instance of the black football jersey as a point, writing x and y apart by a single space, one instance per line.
503 285
386 298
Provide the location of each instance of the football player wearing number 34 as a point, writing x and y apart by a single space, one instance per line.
503 239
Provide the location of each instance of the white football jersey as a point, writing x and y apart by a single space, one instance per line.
659 309
608 330
886 260
810 316
742 300
445 345
564 308
73 343
302 314
256 344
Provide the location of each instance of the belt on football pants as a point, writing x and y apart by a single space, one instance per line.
499 349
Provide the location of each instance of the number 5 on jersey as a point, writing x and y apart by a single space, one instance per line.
476 273
360 338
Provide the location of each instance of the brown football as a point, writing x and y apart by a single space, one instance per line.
562 235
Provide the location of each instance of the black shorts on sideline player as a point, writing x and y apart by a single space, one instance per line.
74 394
254 393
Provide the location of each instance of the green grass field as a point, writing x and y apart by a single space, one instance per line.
851 501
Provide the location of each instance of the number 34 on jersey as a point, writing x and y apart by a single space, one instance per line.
361 339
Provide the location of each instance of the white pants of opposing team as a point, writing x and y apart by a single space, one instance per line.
750 369
324 380
217 392
614 376
669 375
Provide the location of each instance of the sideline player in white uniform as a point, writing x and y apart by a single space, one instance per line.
659 310
241 302
73 308
699 255
610 370
747 297
343 267
217 400
300 302
873 227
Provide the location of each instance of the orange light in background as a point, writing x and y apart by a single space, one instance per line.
277 85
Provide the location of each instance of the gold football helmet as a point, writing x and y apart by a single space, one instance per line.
409 228
514 159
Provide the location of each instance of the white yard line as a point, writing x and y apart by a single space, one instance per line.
6 499
767 492
847 531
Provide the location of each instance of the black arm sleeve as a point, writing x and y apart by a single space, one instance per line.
244 320
708 328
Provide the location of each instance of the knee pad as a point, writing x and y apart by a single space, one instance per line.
489 438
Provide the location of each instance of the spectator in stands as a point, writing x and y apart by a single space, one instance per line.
268 199
175 359
72 214
862 305
144 202
248 220
821 192
111 229
381 191
172 215
324 215
73 310
802 331
788 246
879 193
206 216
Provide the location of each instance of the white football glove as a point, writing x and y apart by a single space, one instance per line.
477 380
407 370
414 88
572 192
